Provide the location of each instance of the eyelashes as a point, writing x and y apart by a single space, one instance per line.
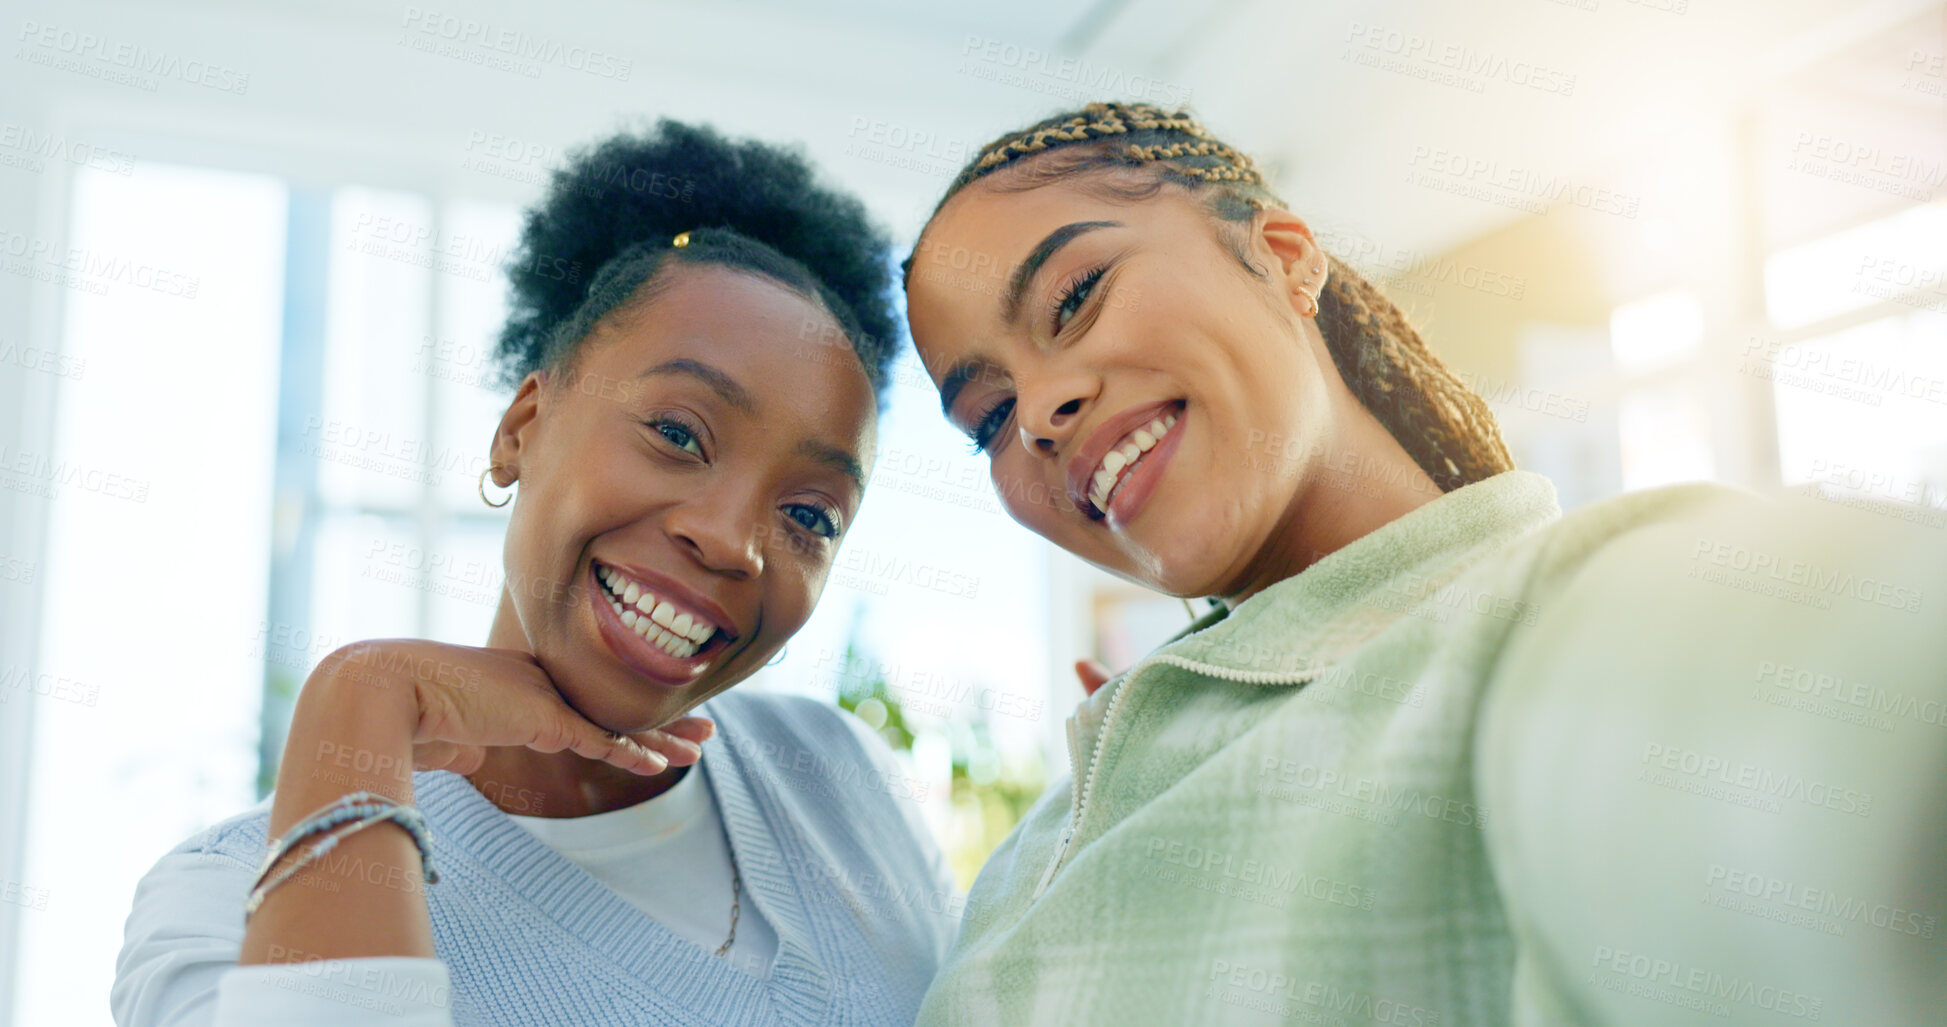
822 522
679 433
991 423
1068 302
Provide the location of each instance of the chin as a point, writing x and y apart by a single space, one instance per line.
1173 574
1220 567
1187 586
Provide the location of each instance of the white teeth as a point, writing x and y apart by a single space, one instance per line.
1141 441
681 648
680 634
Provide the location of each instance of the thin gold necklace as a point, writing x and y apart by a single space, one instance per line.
736 895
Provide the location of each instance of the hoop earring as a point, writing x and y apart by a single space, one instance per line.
779 658
504 500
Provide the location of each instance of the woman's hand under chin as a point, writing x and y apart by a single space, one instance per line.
370 714
470 699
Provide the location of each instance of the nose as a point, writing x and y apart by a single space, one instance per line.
1049 411
720 534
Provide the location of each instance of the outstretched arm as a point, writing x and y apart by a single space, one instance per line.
1716 772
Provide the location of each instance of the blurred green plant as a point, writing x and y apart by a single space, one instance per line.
862 689
990 791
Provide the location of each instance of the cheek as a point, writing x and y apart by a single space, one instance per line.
1034 496
790 595
531 548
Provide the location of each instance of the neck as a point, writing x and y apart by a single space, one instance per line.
555 784
1363 481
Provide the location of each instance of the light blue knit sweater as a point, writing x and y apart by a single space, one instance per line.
820 821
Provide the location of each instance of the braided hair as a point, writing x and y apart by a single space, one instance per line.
610 224
1443 425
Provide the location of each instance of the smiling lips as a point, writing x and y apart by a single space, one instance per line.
1122 458
676 630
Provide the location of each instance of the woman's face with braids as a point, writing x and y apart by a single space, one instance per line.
705 450
1145 402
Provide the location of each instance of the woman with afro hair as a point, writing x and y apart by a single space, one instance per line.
532 831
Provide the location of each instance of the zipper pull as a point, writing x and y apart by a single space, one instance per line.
1061 849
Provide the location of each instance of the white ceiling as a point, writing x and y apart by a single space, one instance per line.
333 91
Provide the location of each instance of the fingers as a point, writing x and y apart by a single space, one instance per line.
696 729
625 752
680 752
1093 675
567 730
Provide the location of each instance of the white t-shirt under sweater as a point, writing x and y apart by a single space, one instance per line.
680 834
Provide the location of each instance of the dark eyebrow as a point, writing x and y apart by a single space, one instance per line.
834 457
724 385
1017 289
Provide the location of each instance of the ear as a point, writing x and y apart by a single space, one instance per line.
515 433
1299 267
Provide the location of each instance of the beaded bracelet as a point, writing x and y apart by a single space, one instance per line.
341 819
344 808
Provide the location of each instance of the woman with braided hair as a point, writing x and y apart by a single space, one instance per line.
1437 754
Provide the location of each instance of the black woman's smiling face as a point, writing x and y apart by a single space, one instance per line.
696 451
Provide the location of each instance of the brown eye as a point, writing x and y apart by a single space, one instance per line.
820 522
1074 296
679 435
991 424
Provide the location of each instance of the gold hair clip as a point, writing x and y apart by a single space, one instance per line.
681 241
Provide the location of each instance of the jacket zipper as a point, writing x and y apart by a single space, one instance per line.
1258 677
1262 677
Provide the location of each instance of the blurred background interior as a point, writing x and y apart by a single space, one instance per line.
252 268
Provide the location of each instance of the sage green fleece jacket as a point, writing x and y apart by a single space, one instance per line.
1680 757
